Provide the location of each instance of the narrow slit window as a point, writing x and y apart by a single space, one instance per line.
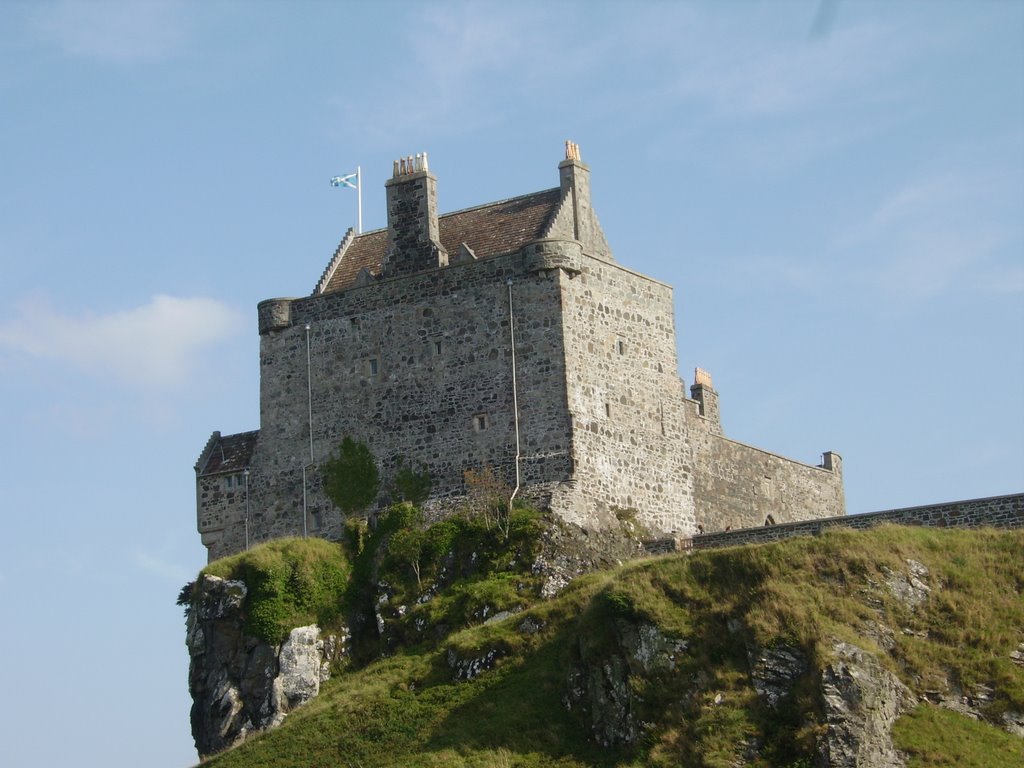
622 347
437 347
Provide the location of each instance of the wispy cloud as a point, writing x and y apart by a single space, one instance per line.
953 231
156 346
758 77
938 232
150 563
457 51
112 30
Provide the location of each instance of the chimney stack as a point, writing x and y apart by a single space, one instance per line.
574 178
414 241
703 391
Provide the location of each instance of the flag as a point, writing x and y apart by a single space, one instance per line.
345 181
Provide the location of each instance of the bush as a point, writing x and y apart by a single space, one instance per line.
410 484
351 479
290 583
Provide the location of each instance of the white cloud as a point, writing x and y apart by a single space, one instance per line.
112 30
154 346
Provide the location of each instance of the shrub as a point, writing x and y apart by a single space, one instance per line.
411 484
351 479
290 583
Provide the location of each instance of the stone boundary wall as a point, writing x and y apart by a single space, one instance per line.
994 511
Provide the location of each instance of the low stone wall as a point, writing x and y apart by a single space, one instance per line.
994 511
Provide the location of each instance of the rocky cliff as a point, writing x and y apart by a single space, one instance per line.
239 683
821 652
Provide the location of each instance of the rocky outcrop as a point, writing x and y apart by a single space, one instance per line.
862 700
568 551
241 684
599 688
775 671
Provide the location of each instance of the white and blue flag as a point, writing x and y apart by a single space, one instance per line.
350 180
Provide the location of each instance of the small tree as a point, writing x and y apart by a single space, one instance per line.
488 496
408 544
351 479
411 484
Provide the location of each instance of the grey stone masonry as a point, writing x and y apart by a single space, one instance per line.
992 511
414 241
424 359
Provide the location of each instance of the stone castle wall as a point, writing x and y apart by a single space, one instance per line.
626 399
737 485
418 367
992 511
418 364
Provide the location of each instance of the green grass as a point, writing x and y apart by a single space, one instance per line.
291 583
804 593
939 738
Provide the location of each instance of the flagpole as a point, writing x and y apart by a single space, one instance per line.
359 191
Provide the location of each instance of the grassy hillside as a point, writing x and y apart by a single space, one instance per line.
696 706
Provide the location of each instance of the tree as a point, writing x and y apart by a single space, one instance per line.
488 496
408 544
351 479
411 484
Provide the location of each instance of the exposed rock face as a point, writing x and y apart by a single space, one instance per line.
600 687
862 700
240 684
774 672
568 551
911 587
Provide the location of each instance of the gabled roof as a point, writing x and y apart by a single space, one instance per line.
227 453
488 230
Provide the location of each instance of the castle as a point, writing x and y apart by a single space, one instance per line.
503 336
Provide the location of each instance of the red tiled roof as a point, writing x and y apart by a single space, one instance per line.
231 453
489 230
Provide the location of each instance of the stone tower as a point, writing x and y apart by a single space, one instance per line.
504 335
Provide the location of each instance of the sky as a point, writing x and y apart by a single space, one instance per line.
835 190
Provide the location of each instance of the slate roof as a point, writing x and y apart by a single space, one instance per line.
229 453
489 230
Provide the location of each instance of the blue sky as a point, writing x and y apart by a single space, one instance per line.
840 215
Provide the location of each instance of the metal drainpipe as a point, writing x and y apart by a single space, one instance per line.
246 508
309 403
515 391
309 395
304 515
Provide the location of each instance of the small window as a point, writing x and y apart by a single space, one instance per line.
437 347
373 366
622 347
480 422
608 410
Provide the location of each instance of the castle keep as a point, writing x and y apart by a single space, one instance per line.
503 336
